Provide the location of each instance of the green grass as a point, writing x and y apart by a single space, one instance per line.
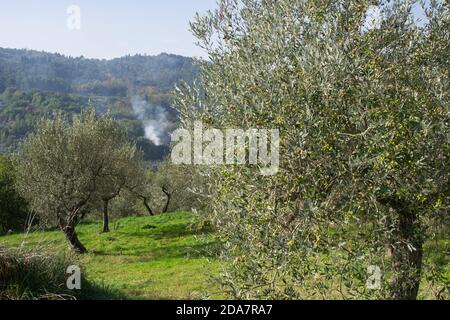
157 257
160 257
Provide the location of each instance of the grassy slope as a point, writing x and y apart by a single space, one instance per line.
142 257
158 257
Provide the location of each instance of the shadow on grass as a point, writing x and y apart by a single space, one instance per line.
99 291
166 231
173 240
195 250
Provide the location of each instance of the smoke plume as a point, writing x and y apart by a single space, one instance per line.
154 120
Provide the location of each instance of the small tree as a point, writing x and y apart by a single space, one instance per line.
178 185
140 186
62 167
119 169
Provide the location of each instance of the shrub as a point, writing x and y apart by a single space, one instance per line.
13 208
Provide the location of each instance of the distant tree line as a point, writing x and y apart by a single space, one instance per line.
33 70
20 112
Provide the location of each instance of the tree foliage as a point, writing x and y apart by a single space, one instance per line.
64 167
364 132
179 187
13 208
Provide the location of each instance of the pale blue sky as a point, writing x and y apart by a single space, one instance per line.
109 28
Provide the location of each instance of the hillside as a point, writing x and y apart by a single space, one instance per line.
136 90
29 70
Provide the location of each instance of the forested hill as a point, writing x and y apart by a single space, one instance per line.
33 70
135 89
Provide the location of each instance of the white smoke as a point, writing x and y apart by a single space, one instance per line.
154 120
138 105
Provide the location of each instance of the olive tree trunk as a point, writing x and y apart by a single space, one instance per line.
72 237
168 197
407 252
105 216
147 206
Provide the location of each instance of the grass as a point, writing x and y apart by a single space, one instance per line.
37 274
158 257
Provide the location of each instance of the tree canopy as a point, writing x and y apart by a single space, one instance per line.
364 142
64 167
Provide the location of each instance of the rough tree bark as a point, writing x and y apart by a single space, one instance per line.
72 237
407 252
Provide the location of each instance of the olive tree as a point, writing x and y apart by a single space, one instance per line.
120 164
141 186
63 167
178 185
361 102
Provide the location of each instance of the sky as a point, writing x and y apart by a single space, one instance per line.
108 28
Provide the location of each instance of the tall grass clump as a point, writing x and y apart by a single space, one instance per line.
33 275
40 275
